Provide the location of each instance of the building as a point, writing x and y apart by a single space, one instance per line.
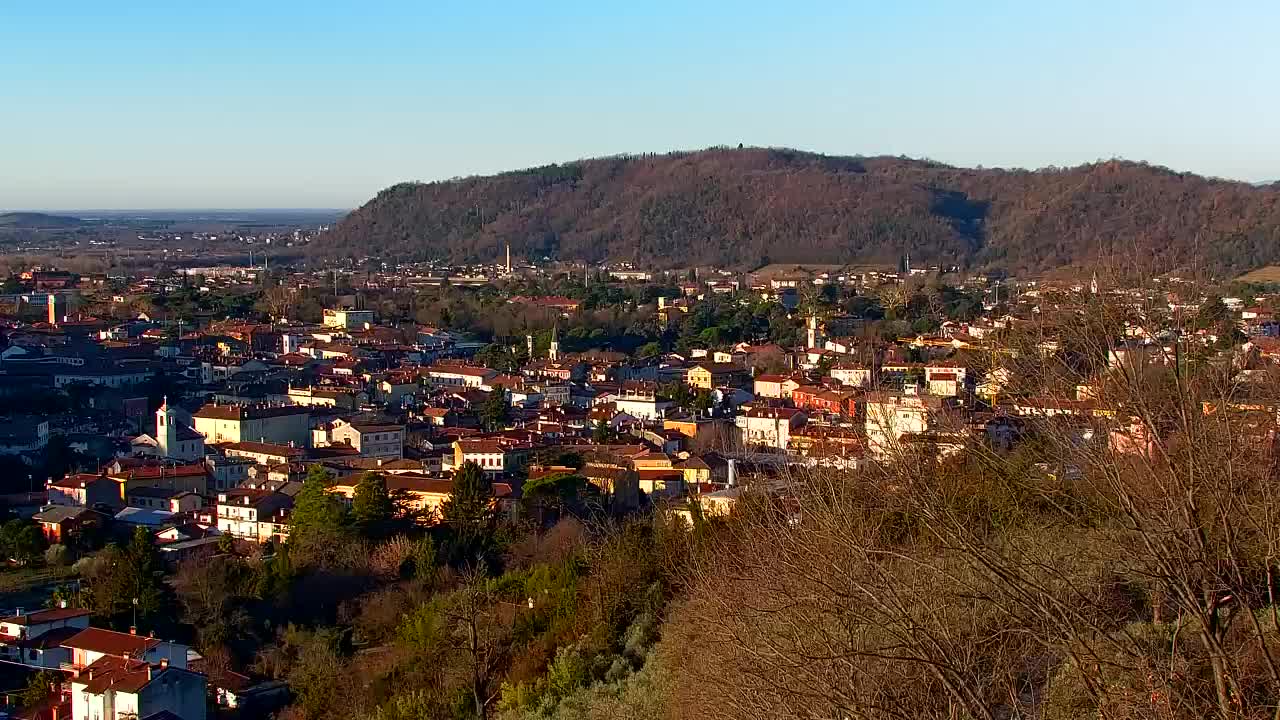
770 427
495 456
125 688
189 478
35 638
851 375
632 275
23 435
774 386
116 375
891 415
61 523
707 469
828 445
945 384
263 453
395 389
712 375
174 439
226 472
641 401
348 319
150 518
262 423
615 477
460 375
257 515
53 279
950 370
819 399
84 490
90 645
340 398
165 499
370 439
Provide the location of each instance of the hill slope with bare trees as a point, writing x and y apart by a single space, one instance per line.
746 207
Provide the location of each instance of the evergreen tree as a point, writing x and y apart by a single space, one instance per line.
495 410
600 434
469 516
317 514
470 503
274 576
145 568
372 508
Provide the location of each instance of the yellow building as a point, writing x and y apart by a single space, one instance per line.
708 376
257 423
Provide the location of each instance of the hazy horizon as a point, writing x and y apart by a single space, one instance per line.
286 105
78 211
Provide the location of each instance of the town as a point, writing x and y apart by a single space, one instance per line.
166 420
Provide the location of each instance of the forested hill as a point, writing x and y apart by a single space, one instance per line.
32 220
746 207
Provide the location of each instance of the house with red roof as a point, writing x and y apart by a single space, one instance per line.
123 687
35 638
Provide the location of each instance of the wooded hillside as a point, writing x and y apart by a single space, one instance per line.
746 207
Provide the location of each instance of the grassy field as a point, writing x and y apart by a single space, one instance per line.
17 585
1268 274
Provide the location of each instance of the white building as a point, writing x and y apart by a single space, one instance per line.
35 639
890 416
774 386
642 402
374 441
348 319
256 515
459 375
174 438
768 426
122 688
493 456
851 375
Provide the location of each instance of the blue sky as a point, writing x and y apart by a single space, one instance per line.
321 104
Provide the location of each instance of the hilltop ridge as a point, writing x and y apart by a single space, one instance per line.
37 221
747 207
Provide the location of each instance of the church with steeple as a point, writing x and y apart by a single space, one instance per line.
175 439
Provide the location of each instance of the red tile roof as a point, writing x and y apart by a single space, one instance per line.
109 642
45 616
120 674
248 412
157 472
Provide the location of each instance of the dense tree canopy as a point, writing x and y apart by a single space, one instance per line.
747 207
